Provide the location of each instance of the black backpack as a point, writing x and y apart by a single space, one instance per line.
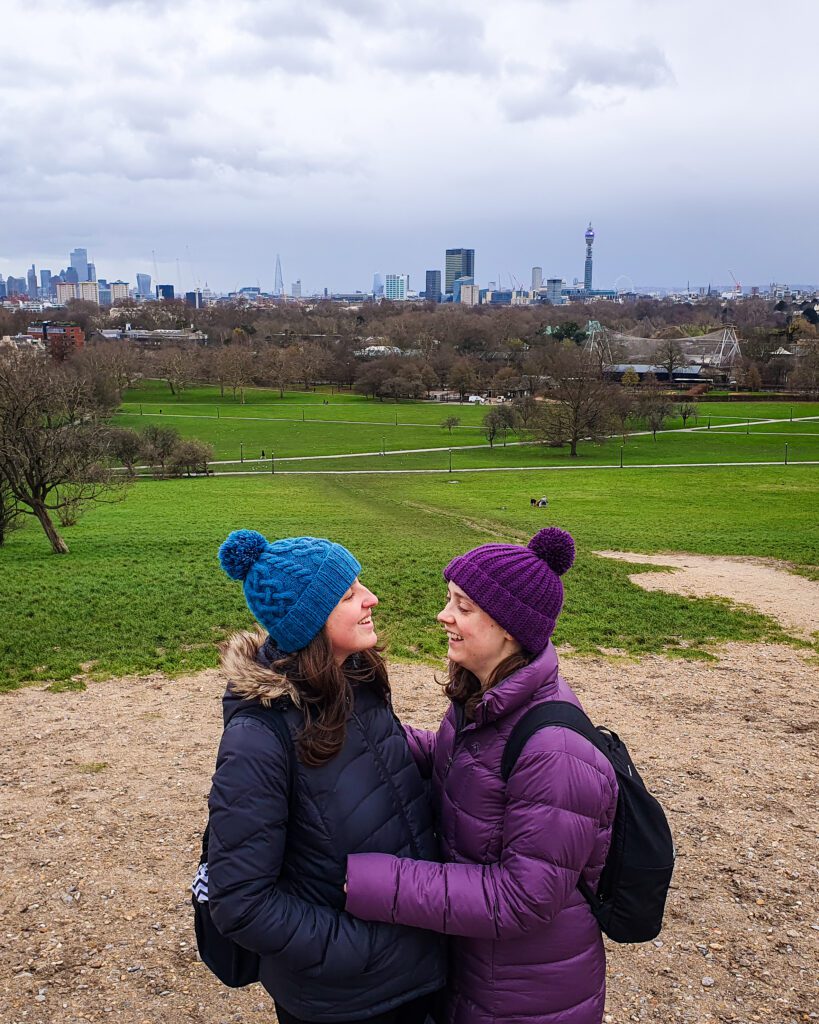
630 898
232 964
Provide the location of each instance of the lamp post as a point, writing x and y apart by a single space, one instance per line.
786 453
450 460
272 461
622 446
241 451
383 445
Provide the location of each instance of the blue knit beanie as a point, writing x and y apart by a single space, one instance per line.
291 585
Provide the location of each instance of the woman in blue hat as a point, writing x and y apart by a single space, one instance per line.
283 821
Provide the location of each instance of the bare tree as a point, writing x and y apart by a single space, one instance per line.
581 400
178 367
654 406
158 444
53 448
239 369
126 445
497 423
190 457
685 410
526 410
669 354
450 422
9 510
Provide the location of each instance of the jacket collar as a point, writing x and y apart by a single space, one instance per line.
246 661
539 676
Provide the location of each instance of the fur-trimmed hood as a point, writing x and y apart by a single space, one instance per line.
246 659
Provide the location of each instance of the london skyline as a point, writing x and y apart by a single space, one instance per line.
361 137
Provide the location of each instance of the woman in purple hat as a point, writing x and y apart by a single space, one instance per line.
526 948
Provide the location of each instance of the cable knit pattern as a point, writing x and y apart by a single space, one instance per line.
291 585
526 949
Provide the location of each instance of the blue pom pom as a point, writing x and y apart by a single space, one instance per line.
240 551
555 547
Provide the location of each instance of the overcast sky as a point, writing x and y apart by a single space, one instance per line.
355 136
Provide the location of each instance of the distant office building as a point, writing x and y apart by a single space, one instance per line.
537 278
2 287
119 290
470 295
194 298
92 272
60 338
144 286
295 289
70 275
104 292
378 287
165 291
459 263
66 290
79 263
458 284
31 282
396 287
554 290
278 278
433 286
45 284
587 276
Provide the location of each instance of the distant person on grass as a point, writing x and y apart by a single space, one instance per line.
526 948
278 849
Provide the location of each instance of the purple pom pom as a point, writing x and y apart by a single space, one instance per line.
555 547
240 551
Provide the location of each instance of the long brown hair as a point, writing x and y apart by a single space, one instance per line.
463 687
326 695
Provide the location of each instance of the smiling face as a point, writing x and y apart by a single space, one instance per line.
349 626
476 641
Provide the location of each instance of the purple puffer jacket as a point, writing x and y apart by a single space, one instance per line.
529 950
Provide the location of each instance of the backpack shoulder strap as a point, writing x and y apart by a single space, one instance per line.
273 720
553 712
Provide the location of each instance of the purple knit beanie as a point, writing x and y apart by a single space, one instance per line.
519 587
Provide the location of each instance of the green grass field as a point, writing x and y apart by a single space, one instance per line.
142 591
351 424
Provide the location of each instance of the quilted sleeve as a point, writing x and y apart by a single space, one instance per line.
248 827
557 803
422 745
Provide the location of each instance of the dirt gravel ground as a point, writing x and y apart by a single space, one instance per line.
103 798
762 583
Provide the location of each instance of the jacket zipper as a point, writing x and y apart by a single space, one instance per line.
388 776
459 728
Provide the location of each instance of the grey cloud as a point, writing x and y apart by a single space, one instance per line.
605 73
642 67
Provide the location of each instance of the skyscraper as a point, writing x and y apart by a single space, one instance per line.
79 263
295 289
459 263
278 279
45 283
396 287
165 292
433 286
587 277
143 286
378 287
31 282
537 278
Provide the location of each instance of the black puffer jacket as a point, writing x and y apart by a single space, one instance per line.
276 873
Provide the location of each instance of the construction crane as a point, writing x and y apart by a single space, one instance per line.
737 285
